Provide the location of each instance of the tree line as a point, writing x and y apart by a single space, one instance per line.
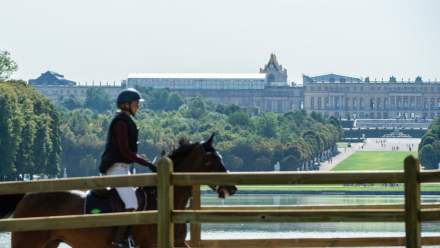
429 147
38 138
248 141
30 137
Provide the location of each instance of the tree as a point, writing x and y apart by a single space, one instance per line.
317 116
266 125
7 65
98 100
196 108
42 145
54 159
71 103
429 157
9 134
239 118
263 163
290 163
24 160
88 165
174 101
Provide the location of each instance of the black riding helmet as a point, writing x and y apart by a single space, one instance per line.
128 95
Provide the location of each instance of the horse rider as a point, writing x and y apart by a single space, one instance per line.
121 151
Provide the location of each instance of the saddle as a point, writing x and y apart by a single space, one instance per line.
99 201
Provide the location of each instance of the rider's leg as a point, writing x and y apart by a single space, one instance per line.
128 196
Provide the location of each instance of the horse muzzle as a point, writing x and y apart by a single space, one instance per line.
224 191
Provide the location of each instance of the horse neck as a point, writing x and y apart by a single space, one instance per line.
185 164
181 197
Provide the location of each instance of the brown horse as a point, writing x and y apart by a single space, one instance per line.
195 157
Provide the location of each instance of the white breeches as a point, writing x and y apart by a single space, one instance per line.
127 194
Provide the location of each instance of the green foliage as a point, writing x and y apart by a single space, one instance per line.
71 103
247 143
239 118
7 65
98 100
29 132
161 99
266 124
429 147
428 157
196 108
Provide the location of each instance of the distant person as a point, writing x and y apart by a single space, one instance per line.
121 151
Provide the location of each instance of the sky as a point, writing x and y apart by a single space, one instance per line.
105 40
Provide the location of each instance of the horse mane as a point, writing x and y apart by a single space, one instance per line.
184 148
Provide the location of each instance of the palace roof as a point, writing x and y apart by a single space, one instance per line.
255 76
330 78
51 78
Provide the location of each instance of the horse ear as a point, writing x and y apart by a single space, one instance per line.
209 141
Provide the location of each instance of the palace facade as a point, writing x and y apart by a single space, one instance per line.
353 98
269 90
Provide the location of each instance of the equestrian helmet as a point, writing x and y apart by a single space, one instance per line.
129 95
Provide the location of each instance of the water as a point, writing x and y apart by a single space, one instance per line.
304 230
322 229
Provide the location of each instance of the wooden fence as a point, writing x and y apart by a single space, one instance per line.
412 212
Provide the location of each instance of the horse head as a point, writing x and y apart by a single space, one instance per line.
201 157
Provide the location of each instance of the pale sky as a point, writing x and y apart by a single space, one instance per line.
105 40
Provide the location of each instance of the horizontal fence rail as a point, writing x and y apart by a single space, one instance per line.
314 207
286 178
166 216
78 221
268 216
313 242
76 183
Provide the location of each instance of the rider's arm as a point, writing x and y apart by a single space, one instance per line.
121 137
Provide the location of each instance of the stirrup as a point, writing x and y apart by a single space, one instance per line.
121 244
126 243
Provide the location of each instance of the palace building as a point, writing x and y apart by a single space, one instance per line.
269 90
353 98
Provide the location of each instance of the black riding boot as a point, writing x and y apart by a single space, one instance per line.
123 237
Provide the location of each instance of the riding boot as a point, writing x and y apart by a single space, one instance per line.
123 237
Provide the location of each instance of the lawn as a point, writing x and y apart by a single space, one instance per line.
374 161
357 161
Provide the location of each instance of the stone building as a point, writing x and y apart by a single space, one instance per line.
353 98
56 88
332 95
267 90
51 78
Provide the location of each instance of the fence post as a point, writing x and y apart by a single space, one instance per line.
165 203
412 203
195 227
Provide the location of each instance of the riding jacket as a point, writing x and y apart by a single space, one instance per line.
122 141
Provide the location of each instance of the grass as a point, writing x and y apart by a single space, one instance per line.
374 161
357 161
